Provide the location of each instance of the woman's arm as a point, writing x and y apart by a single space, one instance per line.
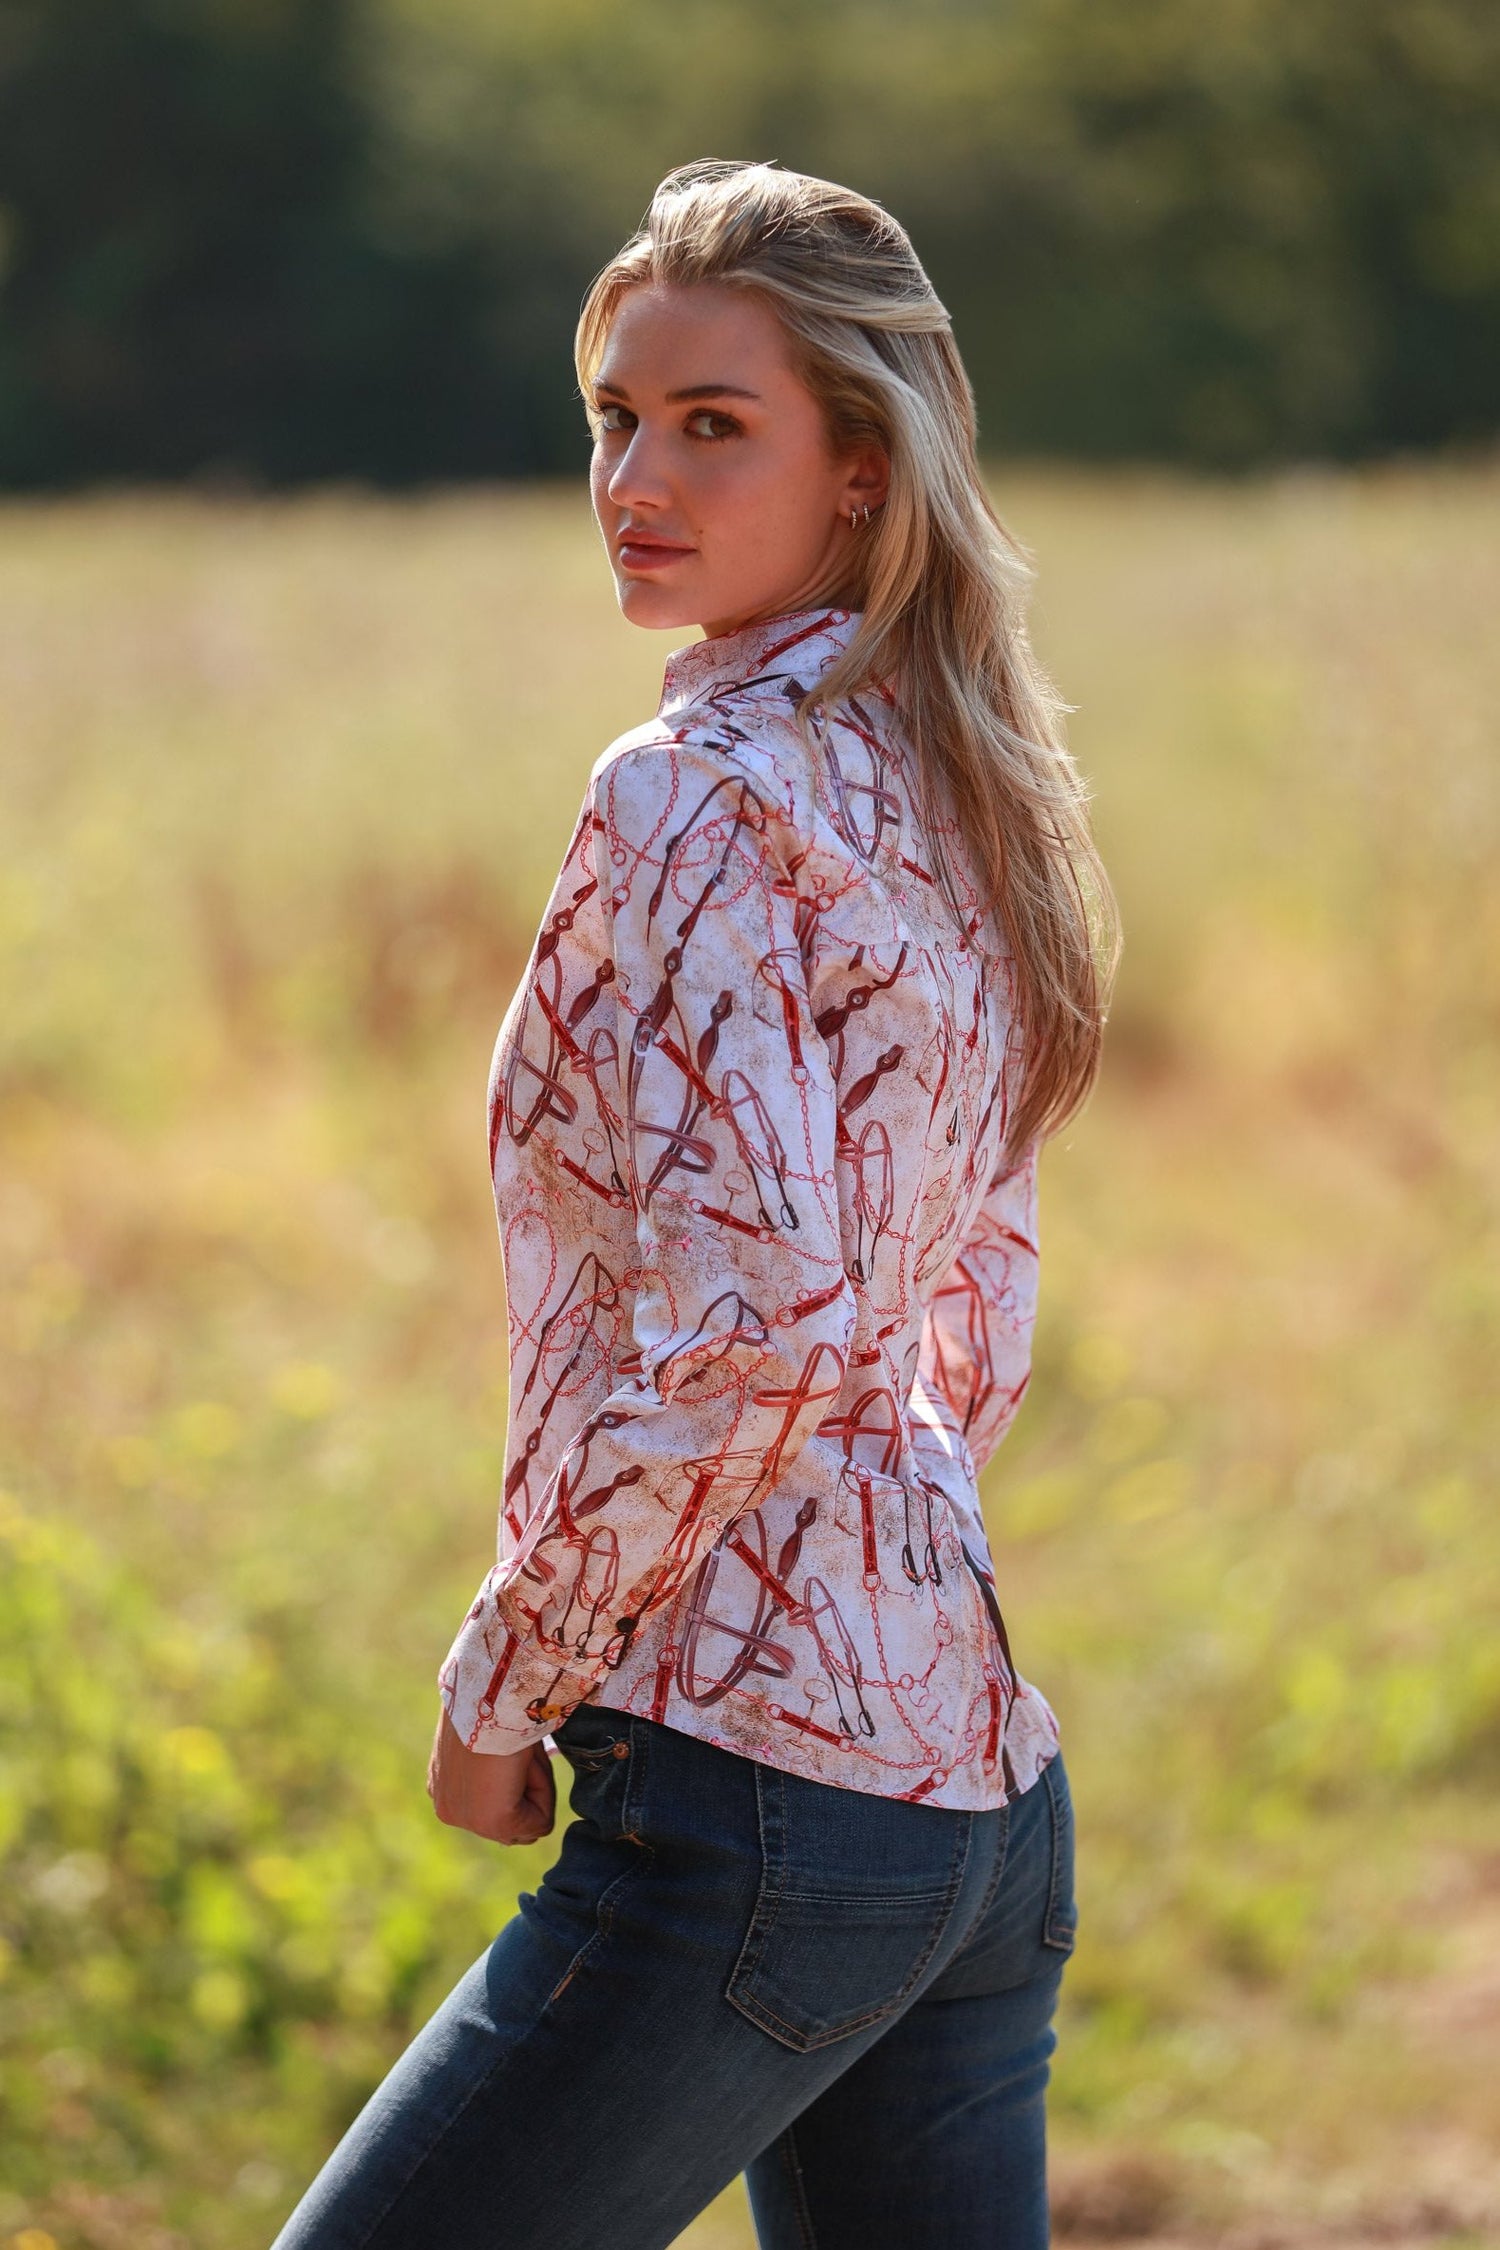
975 1358
724 1102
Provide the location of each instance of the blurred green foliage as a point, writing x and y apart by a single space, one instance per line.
200 1877
271 860
308 238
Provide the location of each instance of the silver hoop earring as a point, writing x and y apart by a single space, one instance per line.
854 515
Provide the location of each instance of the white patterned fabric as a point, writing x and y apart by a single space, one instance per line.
770 1286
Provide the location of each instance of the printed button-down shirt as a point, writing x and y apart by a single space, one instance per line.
770 1284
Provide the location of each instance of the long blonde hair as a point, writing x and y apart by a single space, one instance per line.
940 581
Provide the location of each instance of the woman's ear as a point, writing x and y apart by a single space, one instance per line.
869 479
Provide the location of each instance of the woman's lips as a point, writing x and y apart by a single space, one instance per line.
649 554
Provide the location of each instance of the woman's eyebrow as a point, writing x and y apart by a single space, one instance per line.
693 390
711 390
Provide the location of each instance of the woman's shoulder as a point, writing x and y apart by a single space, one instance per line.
674 763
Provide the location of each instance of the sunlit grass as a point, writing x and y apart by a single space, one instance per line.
285 785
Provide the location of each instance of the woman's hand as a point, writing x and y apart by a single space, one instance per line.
511 1799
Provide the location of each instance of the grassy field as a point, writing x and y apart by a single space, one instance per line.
284 788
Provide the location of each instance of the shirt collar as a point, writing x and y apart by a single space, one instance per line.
799 645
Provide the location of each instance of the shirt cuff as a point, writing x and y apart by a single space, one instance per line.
500 1691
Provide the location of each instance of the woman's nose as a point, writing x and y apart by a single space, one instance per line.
640 473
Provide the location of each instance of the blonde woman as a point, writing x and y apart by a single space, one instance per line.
825 963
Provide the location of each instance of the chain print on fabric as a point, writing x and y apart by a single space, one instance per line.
770 1283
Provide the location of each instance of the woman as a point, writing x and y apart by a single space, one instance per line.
825 962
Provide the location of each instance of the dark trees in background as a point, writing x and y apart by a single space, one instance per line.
191 277
293 239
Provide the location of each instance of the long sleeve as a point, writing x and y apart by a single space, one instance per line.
721 1097
975 1358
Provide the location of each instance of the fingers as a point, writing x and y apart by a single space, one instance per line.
507 1799
526 1825
528 1829
535 1813
541 1787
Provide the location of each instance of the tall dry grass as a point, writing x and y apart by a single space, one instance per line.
285 785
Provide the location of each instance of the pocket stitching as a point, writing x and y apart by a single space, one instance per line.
1057 1930
868 1898
588 1761
768 1888
1002 1854
604 1922
638 1740
769 1902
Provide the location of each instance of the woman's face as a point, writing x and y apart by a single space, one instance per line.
715 491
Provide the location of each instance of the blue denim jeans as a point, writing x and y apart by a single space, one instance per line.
730 1968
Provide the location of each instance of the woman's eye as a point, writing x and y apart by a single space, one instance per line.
707 426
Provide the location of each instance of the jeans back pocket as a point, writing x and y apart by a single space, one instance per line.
855 1894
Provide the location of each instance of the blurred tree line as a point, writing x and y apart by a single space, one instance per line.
287 239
